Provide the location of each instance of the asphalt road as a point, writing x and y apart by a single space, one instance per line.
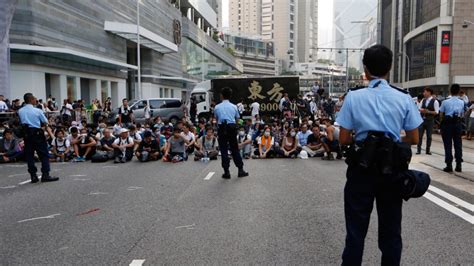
286 212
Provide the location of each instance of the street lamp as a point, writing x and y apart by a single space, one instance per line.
408 65
139 91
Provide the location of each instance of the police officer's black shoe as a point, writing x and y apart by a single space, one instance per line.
49 178
242 173
428 153
458 167
34 179
418 152
448 168
226 175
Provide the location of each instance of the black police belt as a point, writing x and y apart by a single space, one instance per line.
452 119
378 152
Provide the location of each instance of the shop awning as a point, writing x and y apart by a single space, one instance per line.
147 38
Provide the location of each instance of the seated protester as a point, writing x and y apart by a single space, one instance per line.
330 143
133 133
201 130
105 147
74 138
175 147
256 133
190 137
265 145
289 147
244 141
314 146
117 127
123 147
206 146
158 123
100 133
10 150
61 147
303 135
85 146
276 133
162 140
148 149
166 131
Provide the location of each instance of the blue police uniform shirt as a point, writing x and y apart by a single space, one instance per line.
32 116
381 108
452 107
226 111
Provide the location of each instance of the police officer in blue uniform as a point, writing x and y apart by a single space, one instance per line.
33 120
227 114
452 111
386 110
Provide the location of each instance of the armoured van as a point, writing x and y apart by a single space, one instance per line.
267 91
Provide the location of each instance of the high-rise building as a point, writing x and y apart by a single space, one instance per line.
307 30
245 17
280 24
432 43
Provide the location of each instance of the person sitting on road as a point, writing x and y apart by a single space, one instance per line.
289 147
100 132
61 147
166 131
314 146
201 129
161 140
330 143
265 145
73 138
123 147
10 149
133 133
303 135
117 127
244 141
105 147
158 123
175 147
190 137
207 146
149 149
85 148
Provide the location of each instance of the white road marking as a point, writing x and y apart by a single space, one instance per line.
209 176
98 193
458 201
17 175
81 179
456 211
134 188
77 175
24 182
39 218
137 262
15 165
7 187
190 226
110 166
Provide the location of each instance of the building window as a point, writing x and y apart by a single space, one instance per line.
171 93
422 53
291 45
161 92
291 36
292 27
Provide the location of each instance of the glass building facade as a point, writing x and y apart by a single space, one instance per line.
422 52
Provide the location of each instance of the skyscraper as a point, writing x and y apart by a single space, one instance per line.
245 16
307 30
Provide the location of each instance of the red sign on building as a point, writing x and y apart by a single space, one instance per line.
445 46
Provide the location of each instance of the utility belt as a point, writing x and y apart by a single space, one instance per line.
451 119
31 131
379 153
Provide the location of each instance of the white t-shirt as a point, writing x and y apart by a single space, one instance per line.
61 146
472 111
120 141
137 137
3 106
66 110
189 136
255 106
240 107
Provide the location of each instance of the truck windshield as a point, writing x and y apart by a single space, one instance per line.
200 97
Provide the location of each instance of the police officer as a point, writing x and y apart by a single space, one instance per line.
227 114
452 111
388 110
32 120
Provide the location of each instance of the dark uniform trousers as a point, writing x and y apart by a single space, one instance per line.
427 126
36 141
362 188
227 139
451 132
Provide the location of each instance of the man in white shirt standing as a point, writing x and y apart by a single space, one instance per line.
255 107
429 108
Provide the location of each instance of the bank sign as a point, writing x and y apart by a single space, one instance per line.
445 47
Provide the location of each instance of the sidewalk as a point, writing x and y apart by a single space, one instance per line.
437 159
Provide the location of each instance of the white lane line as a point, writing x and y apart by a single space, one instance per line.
24 182
39 218
110 166
77 175
7 187
191 226
98 193
443 204
17 175
133 188
81 179
137 262
209 176
458 201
